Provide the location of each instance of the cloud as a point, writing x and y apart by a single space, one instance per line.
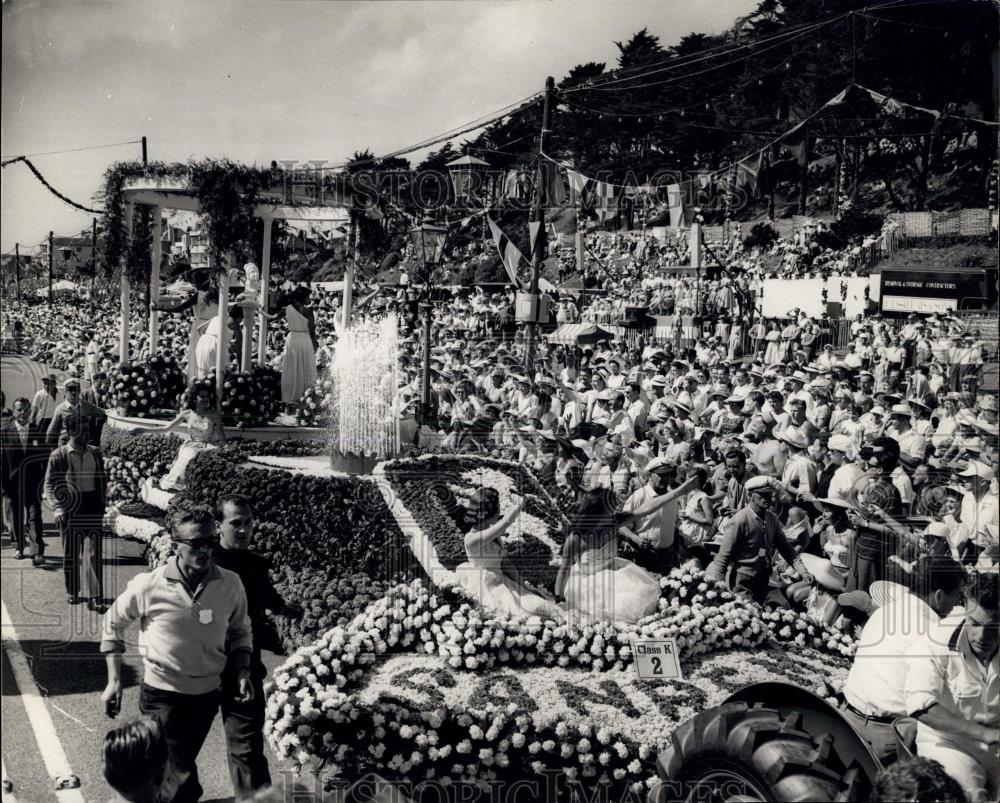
257 81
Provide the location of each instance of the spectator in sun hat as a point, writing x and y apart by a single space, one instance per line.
875 691
953 700
799 472
979 509
921 419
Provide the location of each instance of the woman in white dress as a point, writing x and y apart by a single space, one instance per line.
298 362
772 354
207 349
488 575
596 583
205 431
205 304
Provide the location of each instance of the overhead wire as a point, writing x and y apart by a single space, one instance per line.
608 88
517 107
678 61
75 150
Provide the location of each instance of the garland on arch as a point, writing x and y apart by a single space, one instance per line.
227 192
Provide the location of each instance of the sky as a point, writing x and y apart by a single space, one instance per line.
293 80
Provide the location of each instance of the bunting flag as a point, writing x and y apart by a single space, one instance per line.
510 186
533 228
555 191
604 201
748 172
686 191
509 253
577 186
799 149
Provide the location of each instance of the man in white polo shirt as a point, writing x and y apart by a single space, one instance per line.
193 617
875 691
953 691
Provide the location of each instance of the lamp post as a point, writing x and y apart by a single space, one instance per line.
428 244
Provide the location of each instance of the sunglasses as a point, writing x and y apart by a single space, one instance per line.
199 543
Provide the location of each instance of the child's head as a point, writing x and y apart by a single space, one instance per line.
135 759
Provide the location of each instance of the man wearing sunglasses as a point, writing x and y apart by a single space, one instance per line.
194 617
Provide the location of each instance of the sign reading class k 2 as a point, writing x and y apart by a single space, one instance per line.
656 659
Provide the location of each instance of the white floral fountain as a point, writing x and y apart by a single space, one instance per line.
365 370
365 408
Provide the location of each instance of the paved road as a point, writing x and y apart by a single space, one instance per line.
56 648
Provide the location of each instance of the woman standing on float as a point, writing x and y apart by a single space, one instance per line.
205 304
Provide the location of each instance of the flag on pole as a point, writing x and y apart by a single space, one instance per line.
509 253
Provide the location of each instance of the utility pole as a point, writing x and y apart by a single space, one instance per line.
144 160
17 269
93 261
50 269
538 216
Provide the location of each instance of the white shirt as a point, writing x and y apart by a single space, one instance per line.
876 684
943 670
22 432
656 528
977 515
912 444
843 481
902 482
43 406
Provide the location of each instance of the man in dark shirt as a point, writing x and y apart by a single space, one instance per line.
244 722
877 497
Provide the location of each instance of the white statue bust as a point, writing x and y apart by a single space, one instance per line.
251 282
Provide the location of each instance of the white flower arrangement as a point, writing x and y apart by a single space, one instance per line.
444 678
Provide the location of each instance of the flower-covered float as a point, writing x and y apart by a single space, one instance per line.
426 685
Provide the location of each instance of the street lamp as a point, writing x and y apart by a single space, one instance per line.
468 177
428 244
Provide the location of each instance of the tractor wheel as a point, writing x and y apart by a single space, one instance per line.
738 754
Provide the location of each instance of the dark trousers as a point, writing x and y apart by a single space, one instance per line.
244 725
752 581
82 532
880 735
649 557
26 504
186 720
865 570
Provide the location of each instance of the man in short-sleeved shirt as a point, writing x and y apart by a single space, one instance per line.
953 690
875 691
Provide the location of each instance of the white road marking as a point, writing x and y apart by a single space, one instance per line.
51 749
